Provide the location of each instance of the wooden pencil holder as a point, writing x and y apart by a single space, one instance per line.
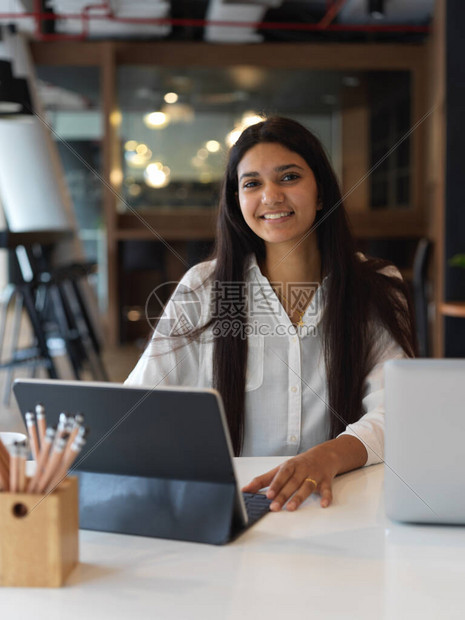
39 536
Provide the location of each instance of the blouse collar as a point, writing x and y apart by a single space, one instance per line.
314 312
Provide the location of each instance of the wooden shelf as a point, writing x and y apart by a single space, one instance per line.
177 224
453 308
388 223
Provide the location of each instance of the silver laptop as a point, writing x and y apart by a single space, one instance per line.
425 440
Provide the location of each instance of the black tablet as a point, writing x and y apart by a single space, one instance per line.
157 462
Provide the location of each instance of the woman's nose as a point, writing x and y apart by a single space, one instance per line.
272 194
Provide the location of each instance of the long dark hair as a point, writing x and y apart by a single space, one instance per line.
357 293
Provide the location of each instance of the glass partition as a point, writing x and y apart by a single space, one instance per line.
72 103
177 125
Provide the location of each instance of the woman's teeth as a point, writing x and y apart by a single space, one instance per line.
275 216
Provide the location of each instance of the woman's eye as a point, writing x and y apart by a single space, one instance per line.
290 176
250 184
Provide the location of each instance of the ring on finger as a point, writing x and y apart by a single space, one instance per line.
314 482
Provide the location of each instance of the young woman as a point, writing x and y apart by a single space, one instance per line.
287 321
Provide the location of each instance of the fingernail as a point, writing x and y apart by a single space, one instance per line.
291 506
275 506
270 494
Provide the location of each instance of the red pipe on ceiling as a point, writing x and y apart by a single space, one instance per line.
187 22
331 13
86 16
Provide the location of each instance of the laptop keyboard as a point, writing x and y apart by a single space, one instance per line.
256 505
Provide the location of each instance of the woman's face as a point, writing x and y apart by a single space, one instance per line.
277 193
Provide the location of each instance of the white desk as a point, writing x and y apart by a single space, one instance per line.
347 561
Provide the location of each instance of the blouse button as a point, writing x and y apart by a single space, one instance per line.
294 388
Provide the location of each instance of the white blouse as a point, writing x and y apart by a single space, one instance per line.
286 409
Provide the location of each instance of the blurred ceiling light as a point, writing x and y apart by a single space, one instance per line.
156 176
202 153
116 176
206 177
249 78
134 315
171 97
141 149
137 160
179 112
156 120
213 146
115 118
134 189
250 118
196 162
131 145
233 136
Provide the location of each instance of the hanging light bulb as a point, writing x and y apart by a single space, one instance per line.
233 136
130 145
157 175
171 97
248 118
212 146
156 120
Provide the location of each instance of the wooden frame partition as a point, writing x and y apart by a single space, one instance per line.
200 224
436 166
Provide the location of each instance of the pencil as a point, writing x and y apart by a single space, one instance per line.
32 432
4 454
68 459
43 456
53 464
22 456
5 469
69 426
41 421
62 423
14 467
77 425
4 474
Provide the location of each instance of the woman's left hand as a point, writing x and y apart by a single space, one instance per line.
310 472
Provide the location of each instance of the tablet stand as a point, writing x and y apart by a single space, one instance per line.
157 507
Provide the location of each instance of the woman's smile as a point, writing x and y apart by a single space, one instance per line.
277 217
